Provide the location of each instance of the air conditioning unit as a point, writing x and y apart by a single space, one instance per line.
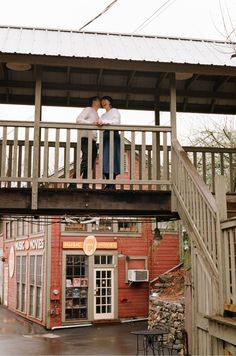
138 275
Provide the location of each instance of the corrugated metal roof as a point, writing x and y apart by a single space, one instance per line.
66 43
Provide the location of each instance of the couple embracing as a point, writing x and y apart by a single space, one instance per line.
89 115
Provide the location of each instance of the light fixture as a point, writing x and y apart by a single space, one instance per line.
183 76
19 67
156 233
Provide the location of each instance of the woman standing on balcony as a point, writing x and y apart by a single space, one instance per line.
110 117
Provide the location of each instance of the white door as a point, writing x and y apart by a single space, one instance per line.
103 293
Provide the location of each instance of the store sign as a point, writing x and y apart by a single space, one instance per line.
101 245
35 244
90 245
72 244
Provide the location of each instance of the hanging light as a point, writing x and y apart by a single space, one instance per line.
19 67
156 233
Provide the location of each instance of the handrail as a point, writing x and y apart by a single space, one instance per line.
198 206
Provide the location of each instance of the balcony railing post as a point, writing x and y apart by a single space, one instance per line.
36 152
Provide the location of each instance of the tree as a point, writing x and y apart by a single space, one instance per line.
217 154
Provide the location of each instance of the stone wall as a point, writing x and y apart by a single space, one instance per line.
168 315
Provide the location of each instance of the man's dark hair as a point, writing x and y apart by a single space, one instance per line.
106 97
92 99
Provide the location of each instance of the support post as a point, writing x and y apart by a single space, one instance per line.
220 195
36 152
157 123
173 105
174 203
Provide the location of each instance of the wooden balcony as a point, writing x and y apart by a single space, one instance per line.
36 170
38 164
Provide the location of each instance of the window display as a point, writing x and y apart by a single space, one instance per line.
76 298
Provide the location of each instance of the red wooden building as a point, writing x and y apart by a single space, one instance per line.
54 274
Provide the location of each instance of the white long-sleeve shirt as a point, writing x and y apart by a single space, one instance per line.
88 116
111 117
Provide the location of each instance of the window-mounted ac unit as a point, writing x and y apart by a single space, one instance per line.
138 275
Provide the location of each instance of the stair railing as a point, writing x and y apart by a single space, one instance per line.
198 209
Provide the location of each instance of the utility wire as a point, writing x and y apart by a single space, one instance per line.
100 14
158 12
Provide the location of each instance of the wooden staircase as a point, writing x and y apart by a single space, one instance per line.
213 253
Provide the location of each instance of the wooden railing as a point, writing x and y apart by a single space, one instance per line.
197 202
143 164
229 242
213 161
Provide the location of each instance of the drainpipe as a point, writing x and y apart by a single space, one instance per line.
48 235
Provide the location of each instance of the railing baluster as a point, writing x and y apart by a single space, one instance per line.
45 156
78 154
111 153
231 175
132 164
26 153
15 147
9 164
165 155
204 166
20 165
213 171
122 156
67 164
56 160
89 167
154 157
222 163
143 157
100 164
4 146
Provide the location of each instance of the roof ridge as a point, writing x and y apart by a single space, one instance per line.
116 34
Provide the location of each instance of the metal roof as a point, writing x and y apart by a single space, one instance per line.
134 70
65 43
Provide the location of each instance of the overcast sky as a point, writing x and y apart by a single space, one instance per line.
208 19
183 18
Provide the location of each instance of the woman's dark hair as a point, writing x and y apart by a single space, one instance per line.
92 99
106 97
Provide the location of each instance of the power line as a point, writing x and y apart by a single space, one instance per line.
100 14
158 12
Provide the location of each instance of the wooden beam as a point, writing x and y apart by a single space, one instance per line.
159 81
128 85
63 201
118 64
120 89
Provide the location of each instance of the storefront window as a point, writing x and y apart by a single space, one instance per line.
105 225
103 260
127 226
37 225
35 279
75 227
76 298
9 230
20 282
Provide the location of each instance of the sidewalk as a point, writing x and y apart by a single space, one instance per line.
21 337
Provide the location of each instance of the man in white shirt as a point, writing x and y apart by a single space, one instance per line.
87 116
